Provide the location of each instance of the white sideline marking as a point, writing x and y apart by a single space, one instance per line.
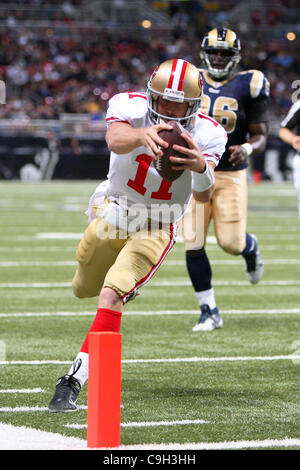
30 409
23 438
154 312
23 390
218 445
146 424
169 360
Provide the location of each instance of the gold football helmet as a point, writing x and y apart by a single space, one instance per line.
175 80
224 42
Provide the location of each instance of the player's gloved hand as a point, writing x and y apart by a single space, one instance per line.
238 155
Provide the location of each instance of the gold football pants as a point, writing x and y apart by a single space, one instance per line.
227 208
108 257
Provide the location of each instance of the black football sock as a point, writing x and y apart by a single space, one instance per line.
199 269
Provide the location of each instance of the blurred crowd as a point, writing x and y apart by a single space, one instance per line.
47 75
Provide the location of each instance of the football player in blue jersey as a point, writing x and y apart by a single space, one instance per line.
237 100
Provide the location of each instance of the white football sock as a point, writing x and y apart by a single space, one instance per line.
83 372
206 297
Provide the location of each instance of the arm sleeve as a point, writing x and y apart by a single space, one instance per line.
292 119
258 110
117 110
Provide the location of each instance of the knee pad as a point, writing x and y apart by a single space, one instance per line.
80 291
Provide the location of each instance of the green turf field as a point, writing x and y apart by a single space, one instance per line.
240 383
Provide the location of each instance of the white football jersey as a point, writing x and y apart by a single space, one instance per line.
133 179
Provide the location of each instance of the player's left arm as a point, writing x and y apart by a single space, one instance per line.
258 133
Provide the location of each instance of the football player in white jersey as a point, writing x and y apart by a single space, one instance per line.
133 214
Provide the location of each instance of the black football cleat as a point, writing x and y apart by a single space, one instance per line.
66 393
254 264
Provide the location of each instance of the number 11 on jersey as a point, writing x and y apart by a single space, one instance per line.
137 184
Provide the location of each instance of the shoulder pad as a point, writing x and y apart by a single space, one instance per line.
258 83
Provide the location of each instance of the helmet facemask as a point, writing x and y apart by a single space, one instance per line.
187 89
222 41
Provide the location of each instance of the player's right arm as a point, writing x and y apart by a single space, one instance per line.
122 138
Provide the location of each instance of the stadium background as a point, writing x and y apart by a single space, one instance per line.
61 61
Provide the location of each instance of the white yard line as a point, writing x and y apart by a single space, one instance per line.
16 264
225 283
233 262
213 359
291 311
289 357
59 236
30 409
170 283
13 264
39 285
42 249
263 236
22 390
146 424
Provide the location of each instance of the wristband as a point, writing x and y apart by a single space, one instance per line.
203 181
248 147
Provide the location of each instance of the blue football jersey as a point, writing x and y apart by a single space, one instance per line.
235 103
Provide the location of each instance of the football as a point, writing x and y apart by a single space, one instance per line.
163 163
